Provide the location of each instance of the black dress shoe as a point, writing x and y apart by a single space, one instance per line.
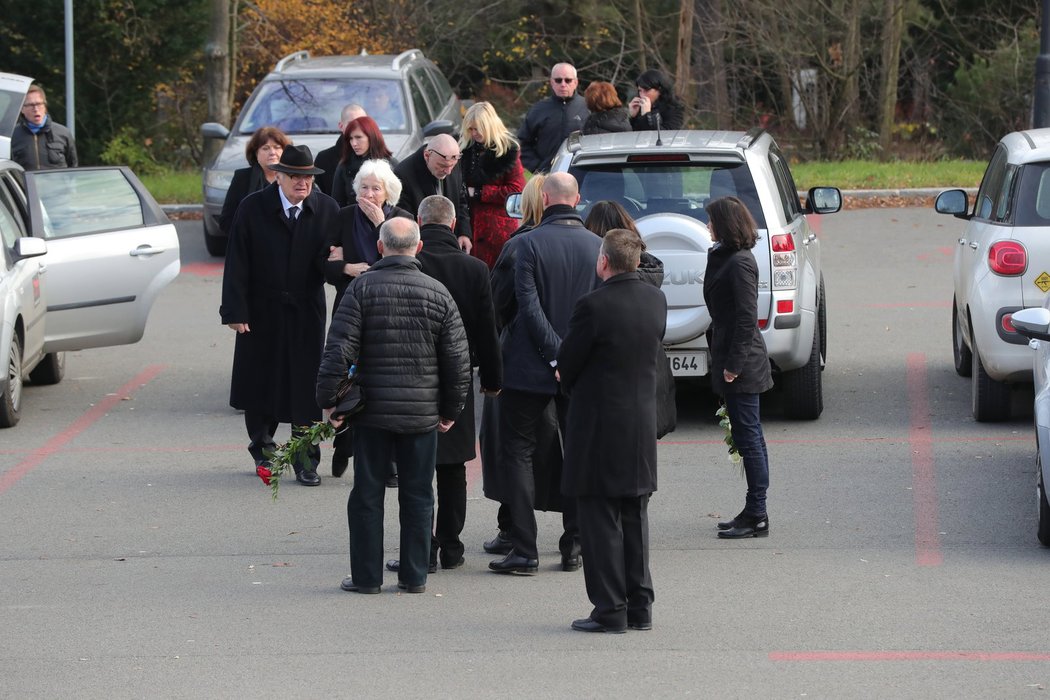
391 481
586 624
339 465
349 586
453 564
747 526
571 563
515 563
421 588
308 478
730 524
395 565
640 625
500 544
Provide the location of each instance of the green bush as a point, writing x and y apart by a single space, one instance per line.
130 149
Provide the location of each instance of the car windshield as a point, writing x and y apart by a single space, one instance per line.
313 106
658 188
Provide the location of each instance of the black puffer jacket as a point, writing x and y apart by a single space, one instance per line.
610 121
403 331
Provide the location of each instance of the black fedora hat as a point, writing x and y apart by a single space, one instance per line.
297 160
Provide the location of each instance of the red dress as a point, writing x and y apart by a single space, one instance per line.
493 180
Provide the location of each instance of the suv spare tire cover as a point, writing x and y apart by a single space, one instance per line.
681 242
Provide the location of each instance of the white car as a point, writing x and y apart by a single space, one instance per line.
1035 325
85 252
1002 265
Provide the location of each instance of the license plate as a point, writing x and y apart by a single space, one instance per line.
688 364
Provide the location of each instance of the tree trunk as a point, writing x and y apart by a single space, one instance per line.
891 53
639 35
683 84
217 62
709 67
851 64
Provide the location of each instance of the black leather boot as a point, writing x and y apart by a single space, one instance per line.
745 525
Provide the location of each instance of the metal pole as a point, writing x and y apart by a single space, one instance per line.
1041 102
70 105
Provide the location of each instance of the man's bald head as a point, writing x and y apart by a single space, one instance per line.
441 155
399 236
560 188
350 112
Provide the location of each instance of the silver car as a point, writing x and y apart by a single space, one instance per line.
406 94
1034 324
1002 265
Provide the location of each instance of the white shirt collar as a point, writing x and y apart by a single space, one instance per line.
285 203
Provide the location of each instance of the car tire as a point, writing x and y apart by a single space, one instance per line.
11 389
990 399
1044 508
960 352
216 245
50 370
803 388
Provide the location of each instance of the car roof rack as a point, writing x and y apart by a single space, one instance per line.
405 56
291 58
750 137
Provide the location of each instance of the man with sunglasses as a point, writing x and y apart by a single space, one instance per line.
549 121
40 143
434 169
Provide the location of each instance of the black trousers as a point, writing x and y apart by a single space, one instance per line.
451 513
520 413
614 533
260 435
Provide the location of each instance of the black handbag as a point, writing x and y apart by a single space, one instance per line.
349 396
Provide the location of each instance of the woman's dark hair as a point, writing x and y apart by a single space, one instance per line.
601 96
377 149
607 215
655 79
260 138
733 224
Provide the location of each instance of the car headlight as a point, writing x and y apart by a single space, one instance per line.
218 179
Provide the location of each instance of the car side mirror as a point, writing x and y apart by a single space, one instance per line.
954 202
1032 323
823 200
514 205
29 247
440 126
214 130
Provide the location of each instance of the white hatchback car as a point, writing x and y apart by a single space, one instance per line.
84 252
1002 265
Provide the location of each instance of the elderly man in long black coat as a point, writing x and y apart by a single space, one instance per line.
435 169
273 296
467 279
609 363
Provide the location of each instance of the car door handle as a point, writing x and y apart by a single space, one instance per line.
146 250
962 241
974 245
811 237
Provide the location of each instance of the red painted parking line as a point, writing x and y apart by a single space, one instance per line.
909 656
86 420
923 467
203 269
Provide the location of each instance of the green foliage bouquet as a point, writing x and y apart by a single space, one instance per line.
295 451
723 420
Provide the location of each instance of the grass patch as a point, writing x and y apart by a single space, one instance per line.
865 174
175 186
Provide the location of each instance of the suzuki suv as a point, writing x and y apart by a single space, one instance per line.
665 181
406 94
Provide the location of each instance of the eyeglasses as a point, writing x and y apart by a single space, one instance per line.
447 159
34 105
564 80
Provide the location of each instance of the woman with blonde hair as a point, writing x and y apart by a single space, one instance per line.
531 204
491 172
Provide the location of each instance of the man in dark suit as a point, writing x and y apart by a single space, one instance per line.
553 268
467 279
273 297
608 362
328 159
434 169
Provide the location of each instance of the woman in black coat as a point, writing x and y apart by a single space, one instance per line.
656 106
362 141
608 115
263 150
352 250
739 362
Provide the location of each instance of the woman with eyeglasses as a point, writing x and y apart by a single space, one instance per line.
362 140
656 106
264 149
491 172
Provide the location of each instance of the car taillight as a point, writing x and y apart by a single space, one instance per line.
1008 258
1008 323
785 306
784 261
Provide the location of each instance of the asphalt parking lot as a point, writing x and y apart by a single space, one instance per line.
143 558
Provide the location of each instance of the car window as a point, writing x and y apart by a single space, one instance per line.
991 185
655 188
10 226
11 198
1032 195
74 203
785 185
419 101
444 90
313 106
10 107
431 92
1003 198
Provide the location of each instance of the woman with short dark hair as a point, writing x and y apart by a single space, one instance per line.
264 149
739 362
607 112
656 106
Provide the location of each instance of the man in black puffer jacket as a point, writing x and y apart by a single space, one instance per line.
403 332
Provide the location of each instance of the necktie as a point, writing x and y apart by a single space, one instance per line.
293 213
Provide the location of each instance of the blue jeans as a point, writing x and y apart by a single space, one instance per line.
751 443
416 454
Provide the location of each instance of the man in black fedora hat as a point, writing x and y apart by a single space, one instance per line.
273 297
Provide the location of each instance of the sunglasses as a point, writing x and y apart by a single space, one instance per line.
447 159
564 80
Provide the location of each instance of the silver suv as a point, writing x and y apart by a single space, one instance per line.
664 180
406 94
